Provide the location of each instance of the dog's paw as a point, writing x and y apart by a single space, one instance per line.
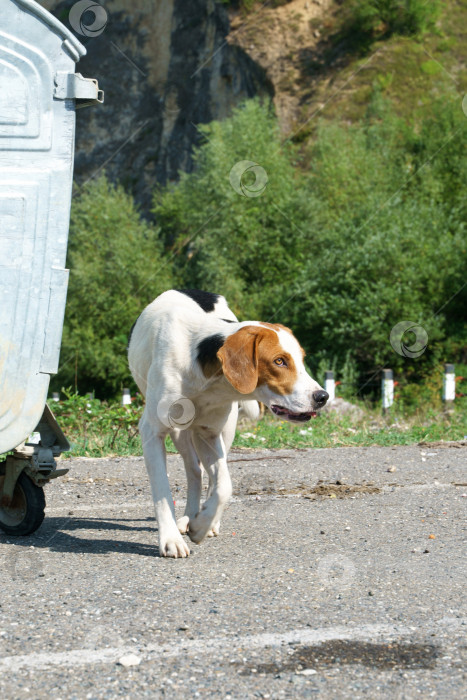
198 527
182 524
173 546
214 531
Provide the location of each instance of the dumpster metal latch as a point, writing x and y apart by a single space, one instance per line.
72 86
48 442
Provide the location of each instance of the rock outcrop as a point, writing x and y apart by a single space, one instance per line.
165 67
285 40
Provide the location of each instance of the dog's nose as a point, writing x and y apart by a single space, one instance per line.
320 397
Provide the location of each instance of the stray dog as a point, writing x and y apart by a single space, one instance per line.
194 362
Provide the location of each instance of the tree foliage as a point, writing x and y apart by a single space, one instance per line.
117 266
368 20
369 234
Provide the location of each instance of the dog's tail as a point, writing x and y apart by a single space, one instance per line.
250 409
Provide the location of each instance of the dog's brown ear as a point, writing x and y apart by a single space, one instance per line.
239 359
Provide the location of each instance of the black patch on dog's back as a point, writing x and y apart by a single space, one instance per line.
206 300
207 351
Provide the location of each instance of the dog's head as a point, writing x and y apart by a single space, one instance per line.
266 360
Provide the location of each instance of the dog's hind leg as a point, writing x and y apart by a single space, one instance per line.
184 444
211 450
171 543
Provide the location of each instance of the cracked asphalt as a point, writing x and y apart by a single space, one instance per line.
337 572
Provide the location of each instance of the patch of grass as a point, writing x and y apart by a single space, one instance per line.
97 428
431 67
412 71
101 429
385 80
331 430
409 73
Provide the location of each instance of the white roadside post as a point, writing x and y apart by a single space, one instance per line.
387 389
55 396
330 385
126 397
449 383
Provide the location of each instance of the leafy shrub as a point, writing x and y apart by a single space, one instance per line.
245 246
349 377
373 235
366 20
117 266
95 427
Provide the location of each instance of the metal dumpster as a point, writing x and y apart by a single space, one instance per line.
39 92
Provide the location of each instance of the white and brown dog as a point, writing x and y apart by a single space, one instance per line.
194 362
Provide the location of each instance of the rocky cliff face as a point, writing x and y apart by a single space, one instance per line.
165 67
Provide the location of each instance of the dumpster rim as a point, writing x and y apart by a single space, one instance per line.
53 22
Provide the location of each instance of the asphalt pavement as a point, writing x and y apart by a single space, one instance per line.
337 573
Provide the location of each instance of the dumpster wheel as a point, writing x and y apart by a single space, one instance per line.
25 513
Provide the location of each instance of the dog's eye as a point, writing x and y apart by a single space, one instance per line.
280 362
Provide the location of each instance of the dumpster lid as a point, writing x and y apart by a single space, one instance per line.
74 46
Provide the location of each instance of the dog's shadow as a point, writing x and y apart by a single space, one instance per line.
56 535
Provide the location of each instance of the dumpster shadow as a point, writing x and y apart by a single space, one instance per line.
55 535
72 522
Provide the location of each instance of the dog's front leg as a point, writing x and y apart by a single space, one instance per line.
212 453
171 543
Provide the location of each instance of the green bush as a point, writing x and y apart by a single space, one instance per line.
95 428
391 235
367 20
245 246
373 235
117 266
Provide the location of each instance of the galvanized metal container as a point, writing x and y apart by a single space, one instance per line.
39 92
